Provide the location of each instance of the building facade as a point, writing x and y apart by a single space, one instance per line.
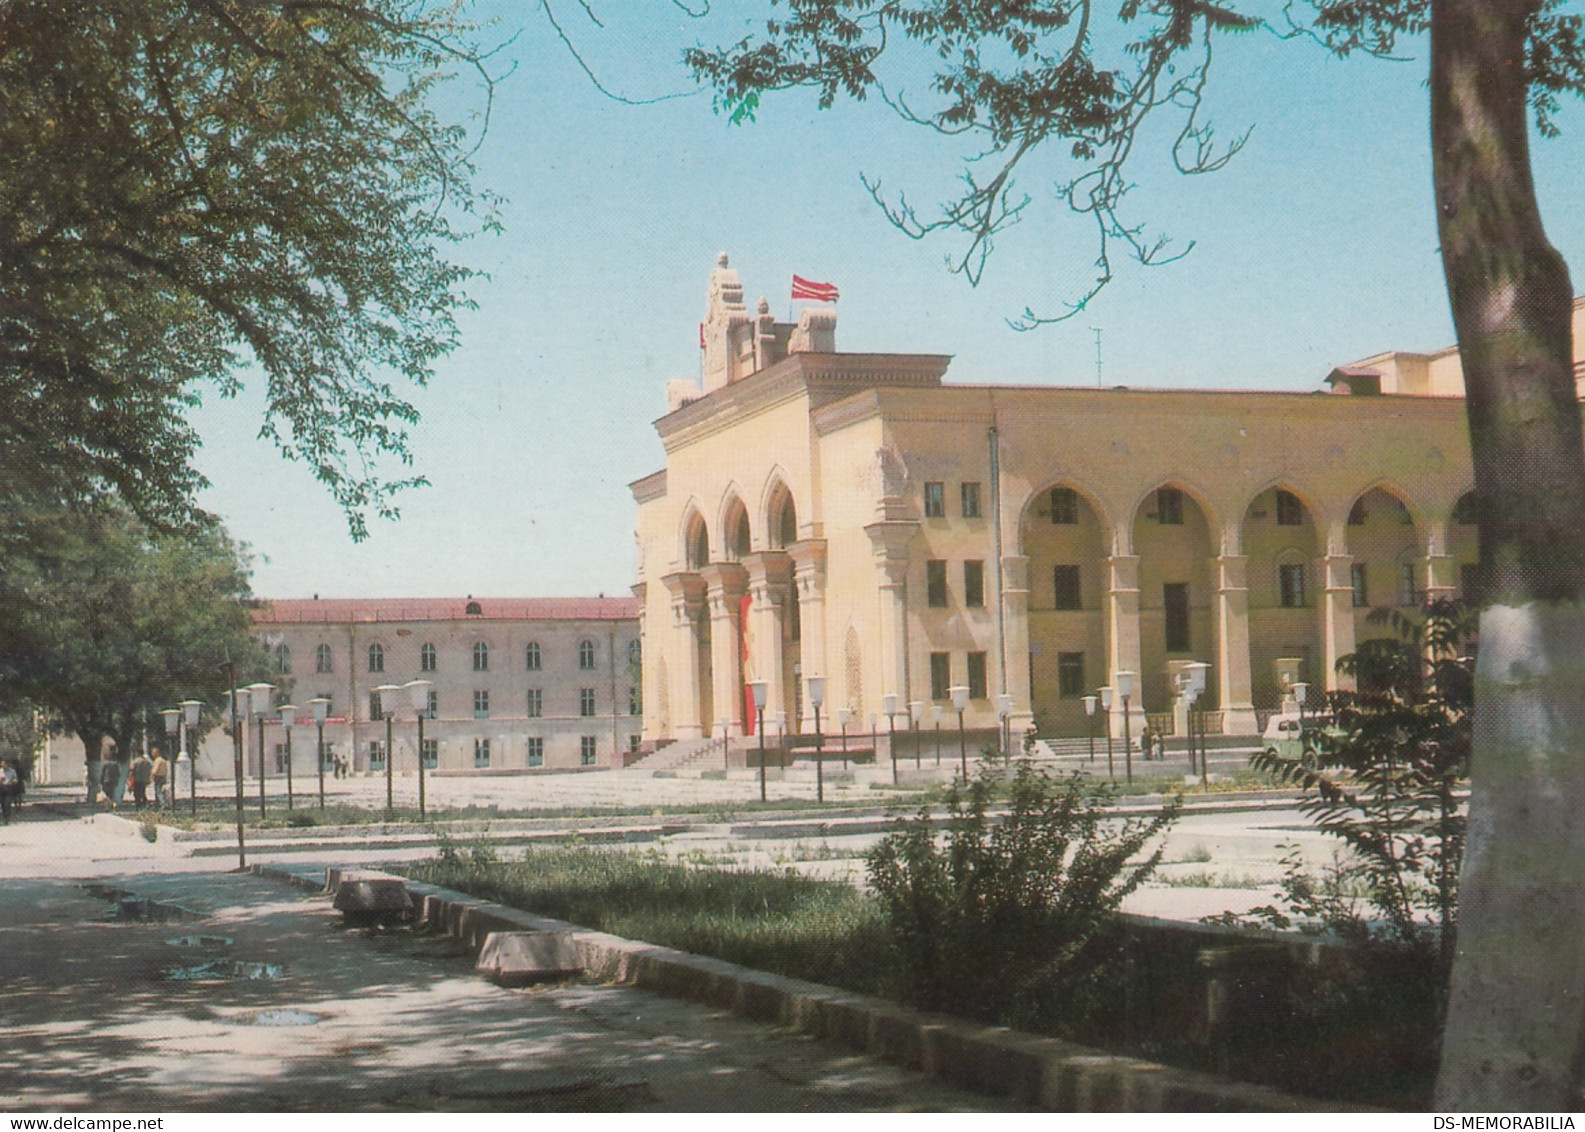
518 685
857 517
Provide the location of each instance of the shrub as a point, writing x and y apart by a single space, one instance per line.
990 923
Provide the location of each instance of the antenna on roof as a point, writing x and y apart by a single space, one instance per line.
1097 330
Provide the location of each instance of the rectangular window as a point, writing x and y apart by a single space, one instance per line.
1065 588
376 755
327 758
935 501
634 703
971 500
585 701
1064 506
1070 675
977 676
536 751
1290 585
1408 594
374 706
280 758
431 753
936 583
481 705
432 706
586 750
1290 512
1356 575
1169 507
481 754
536 703
1175 603
940 675
974 583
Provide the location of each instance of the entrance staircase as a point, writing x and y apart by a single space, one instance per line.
687 758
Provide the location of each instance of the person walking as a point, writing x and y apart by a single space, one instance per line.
10 789
159 778
142 771
110 777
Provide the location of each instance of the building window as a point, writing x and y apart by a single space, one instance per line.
531 656
376 755
586 750
1290 585
940 675
936 583
323 659
283 659
971 500
635 705
481 704
280 758
1356 575
1169 507
473 609
586 655
536 703
1064 506
432 707
376 658
431 751
1408 593
327 758
585 701
1065 588
374 706
536 751
481 754
1070 675
635 654
428 659
976 676
1290 512
481 657
1175 603
974 583
935 501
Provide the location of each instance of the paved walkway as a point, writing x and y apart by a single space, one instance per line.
354 1020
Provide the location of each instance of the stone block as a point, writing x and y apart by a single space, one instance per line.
514 958
362 895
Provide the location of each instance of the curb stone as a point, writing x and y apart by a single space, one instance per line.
1045 1073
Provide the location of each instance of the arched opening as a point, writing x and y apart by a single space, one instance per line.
735 539
1065 538
696 543
1463 546
782 518
1177 589
1388 569
1282 546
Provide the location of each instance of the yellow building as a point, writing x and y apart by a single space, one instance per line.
857 517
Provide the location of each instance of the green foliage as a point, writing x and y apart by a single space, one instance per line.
990 923
1384 777
195 188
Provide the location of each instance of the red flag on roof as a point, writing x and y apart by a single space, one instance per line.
808 289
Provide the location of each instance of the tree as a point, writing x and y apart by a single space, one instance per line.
113 620
1026 75
195 186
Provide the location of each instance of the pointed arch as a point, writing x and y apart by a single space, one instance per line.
736 535
694 539
780 511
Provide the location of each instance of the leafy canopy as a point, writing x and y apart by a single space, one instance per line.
193 186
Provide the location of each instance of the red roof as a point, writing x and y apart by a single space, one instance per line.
387 609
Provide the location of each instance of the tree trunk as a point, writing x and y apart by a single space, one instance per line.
1517 1002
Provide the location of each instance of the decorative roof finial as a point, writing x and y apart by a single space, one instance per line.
721 260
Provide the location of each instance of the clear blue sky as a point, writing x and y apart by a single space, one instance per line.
1316 246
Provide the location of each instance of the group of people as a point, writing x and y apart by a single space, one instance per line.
147 771
1152 744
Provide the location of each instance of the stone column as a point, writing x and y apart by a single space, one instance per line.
1233 690
889 541
809 584
1015 628
769 575
1122 635
1337 619
725 584
687 594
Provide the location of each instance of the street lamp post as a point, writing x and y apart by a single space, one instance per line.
1300 691
936 712
817 696
418 695
259 706
1189 698
321 708
1197 672
960 700
173 724
1089 711
1125 688
889 706
875 743
1106 710
236 755
761 692
1004 712
387 694
916 711
185 762
844 717
288 717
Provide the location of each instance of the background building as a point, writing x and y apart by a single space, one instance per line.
519 684
853 516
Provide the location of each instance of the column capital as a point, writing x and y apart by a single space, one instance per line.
769 574
1232 572
809 564
1124 573
1015 574
687 591
889 541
